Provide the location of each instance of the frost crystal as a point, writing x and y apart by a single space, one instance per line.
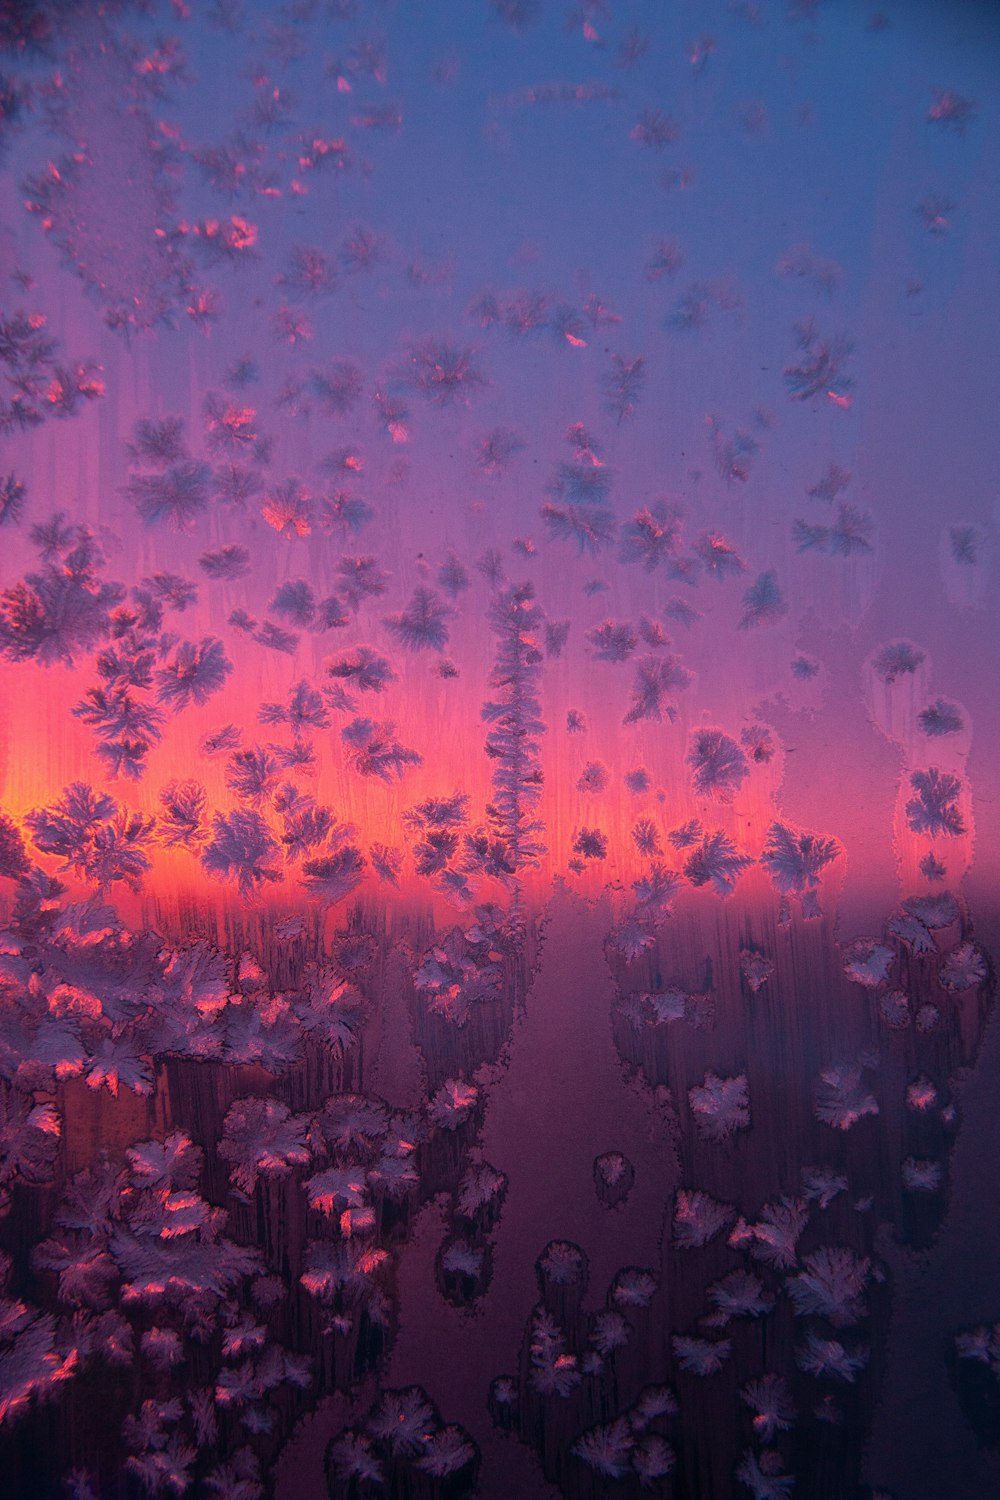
763 602
698 1218
774 1237
738 1295
963 968
841 1099
771 1402
828 1357
720 1106
716 862
900 659
940 718
922 1176
795 860
867 962
700 1356
718 765
831 1286
763 1477
934 809
422 625
607 1449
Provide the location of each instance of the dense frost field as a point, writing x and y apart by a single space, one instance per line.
499 809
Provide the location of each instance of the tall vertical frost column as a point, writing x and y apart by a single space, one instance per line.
513 740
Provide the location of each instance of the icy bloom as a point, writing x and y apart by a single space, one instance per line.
795 859
867 962
771 1402
162 1348
553 1371
590 843
720 1106
698 1218
653 537
447 1451
461 1258
373 749
741 1294
442 373
762 1475
261 1137
453 1103
911 932
562 1264
228 562
934 810
928 1017
646 837
654 1401
687 834
819 1356
652 1459
193 674
822 1185
982 1344
354 1458
29 1140
700 1356
717 862
661 1007
831 1285
821 366
774 1238
934 910
756 969
963 968
242 847
658 679
940 718
481 1187
93 836
610 1331
966 543
633 1287
593 778
157 442
607 1449
403 1421
364 669
718 765
900 659
181 821
623 385
288 510
951 110
179 495
252 774
763 602
612 641
719 556
173 1163
921 1176
495 454
295 602
590 526
331 877
841 1098
921 1095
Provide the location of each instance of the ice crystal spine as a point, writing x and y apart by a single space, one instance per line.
515 720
